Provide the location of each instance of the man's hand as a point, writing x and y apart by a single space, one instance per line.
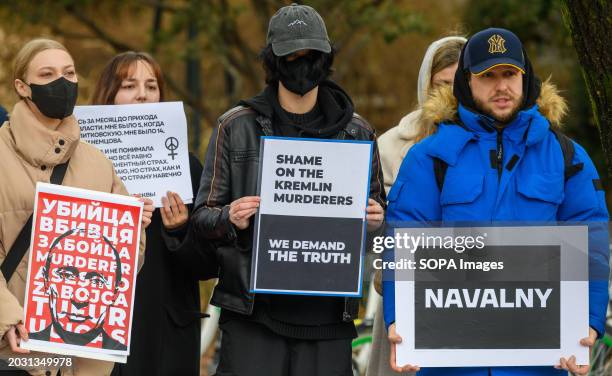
147 211
570 364
14 335
241 211
375 215
174 213
394 339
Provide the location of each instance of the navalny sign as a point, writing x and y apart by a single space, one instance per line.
518 297
309 231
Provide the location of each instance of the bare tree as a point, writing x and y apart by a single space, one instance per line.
590 24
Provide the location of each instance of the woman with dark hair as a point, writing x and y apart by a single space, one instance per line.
166 328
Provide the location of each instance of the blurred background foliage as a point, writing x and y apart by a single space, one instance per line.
208 51
208 48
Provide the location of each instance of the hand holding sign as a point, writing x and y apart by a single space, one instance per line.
242 209
147 211
394 339
570 364
14 335
375 215
174 213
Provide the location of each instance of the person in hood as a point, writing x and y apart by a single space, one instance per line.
437 69
279 335
41 135
499 140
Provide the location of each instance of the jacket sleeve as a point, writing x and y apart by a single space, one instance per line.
386 157
377 184
377 192
585 203
197 257
119 188
11 311
414 197
211 216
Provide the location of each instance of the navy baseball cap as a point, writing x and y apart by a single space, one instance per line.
491 48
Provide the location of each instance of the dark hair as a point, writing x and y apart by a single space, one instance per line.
117 70
271 63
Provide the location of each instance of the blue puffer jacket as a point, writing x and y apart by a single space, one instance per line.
534 189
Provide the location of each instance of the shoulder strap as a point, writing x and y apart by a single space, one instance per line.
440 166
568 150
439 171
22 243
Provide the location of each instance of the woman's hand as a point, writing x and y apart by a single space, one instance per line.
174 213
147 210
14 336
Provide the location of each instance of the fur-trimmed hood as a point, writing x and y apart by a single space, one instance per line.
441 106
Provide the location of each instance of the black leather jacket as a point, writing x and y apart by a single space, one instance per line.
230 172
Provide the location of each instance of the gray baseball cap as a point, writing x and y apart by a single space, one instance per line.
297 27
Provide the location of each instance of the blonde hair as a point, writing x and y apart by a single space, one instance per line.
445 56
29 51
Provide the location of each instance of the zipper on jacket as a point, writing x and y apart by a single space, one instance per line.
346 316
500 153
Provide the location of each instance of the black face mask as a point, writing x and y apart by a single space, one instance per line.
302 74
56 99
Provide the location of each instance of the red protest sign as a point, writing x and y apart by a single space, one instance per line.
82 272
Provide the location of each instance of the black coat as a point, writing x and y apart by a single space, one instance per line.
230 172
166 325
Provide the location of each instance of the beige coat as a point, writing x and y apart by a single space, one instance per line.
28 152
395 143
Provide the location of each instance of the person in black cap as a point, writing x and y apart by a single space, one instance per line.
279 335
498 156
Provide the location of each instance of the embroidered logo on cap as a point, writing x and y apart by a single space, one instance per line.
496 44
298 22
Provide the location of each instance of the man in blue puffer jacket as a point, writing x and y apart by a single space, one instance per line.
502 160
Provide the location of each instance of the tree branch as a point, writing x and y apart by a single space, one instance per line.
98 32
118 46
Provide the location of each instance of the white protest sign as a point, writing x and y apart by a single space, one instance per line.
520 298
147 144
309 231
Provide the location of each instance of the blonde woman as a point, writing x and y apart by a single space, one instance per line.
42 133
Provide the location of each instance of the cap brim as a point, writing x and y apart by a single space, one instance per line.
490 64
291 46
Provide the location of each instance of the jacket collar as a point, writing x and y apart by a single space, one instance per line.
529 127
39 145
441 105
